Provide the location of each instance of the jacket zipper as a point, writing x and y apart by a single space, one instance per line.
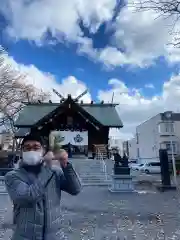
44 211
44 220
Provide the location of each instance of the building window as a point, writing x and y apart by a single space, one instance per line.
160 128
171 147
166 127
137 138
155 164
138 154
169 127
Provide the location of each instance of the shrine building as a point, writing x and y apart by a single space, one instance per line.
83 125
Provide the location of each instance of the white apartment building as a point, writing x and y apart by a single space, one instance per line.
160 131
132 149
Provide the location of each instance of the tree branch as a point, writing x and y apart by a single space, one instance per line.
163 9
13 91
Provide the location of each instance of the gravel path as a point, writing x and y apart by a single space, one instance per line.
98 214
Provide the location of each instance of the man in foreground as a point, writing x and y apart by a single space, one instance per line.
35 189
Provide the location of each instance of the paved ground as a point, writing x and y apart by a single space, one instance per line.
100 215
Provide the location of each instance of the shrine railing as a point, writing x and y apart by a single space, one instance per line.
103 162
2 186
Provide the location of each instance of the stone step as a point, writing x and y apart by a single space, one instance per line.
92 178
87 162
105 182
91 161
87 165
94 173
96 184
91 175
82 172
100 171
91 172
88 169
85 174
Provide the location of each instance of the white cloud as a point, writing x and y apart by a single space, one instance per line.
149 85
59 17
134 108
47 81
142 36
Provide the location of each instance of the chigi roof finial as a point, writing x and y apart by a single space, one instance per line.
58 94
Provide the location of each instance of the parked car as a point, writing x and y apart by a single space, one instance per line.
132 161
151 167
136 167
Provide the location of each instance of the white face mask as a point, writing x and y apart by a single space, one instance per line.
32 157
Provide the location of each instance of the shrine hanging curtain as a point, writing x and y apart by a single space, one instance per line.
75 138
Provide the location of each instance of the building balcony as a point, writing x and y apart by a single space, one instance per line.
166 129
167 134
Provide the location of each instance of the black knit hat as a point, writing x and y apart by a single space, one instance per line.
33 137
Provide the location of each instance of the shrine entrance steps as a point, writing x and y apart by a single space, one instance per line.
101 151
91 172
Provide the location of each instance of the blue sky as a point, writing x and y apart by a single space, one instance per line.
63 61
75 45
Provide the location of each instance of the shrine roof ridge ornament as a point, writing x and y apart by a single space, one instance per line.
81 104
69 97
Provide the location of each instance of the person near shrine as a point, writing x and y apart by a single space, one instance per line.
117 158
35 189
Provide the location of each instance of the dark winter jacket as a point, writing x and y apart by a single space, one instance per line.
36 200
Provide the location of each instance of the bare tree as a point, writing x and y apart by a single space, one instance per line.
13 91
163 9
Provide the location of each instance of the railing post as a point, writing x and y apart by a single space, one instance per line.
100 157
2 186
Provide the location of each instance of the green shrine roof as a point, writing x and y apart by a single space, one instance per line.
22 132
32 113
106 114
